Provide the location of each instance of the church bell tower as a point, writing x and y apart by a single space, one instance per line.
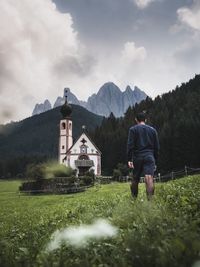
65 140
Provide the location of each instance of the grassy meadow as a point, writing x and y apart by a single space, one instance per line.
163 232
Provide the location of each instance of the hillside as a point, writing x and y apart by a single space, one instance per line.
176 117
38 136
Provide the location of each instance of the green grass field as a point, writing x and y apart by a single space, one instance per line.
163 232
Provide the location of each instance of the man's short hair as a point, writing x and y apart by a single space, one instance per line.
141 116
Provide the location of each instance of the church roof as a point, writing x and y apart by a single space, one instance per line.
82 137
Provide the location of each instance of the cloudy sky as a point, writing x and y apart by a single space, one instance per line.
46 45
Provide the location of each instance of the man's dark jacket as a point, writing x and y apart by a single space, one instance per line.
142 140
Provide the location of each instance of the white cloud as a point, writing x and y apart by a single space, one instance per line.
143 3
131 53
131 63
190 16
121 66
187 53
39 53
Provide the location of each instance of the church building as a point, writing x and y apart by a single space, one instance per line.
83 155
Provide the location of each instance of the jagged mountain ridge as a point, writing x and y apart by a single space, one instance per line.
108 99
111 99
39 135
40 108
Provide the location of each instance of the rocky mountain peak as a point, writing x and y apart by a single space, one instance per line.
71 98
128 89
42 107
108 99
109 88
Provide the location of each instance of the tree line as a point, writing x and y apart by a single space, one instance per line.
175 115
35 140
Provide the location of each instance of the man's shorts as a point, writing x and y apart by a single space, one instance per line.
143 165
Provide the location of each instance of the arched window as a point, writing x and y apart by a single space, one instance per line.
83 149
63 126
83 157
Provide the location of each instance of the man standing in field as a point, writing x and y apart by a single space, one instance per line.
142 151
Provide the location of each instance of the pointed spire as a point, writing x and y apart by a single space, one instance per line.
65 94
66 109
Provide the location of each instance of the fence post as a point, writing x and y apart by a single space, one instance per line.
186 173
172 175
159 177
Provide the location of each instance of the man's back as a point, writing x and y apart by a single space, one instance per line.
142 150
142 140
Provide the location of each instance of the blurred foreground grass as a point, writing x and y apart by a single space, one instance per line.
164 232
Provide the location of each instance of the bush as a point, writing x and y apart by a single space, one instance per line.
54 169
35 172
123 168
90 173
116 174
86 180
121 172
48 170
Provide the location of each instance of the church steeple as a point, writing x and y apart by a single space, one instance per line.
66 109
66 140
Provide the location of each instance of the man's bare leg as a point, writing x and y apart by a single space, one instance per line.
134 188
149 186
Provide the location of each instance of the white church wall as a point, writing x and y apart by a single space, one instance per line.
72 161
63 144
66 141
72 158
62 158
94 158
90 147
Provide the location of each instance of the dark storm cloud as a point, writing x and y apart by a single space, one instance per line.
72 65
85 43
34 39
107 25
111 21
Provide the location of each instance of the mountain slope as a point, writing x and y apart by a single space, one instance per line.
176 117
111 99
39 135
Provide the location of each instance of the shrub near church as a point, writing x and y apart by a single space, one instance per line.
54 178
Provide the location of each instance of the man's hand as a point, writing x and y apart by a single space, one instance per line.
130 164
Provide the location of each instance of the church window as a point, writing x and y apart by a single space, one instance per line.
63 126
64 159
83 149
83 157
63 147
70 126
